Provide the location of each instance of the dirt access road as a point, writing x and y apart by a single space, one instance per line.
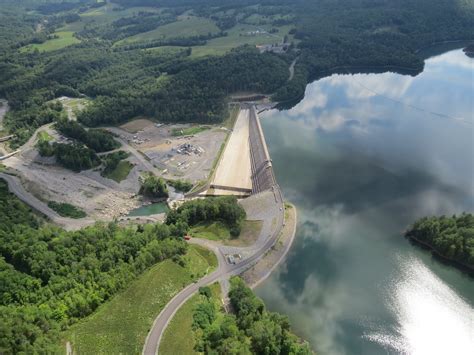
15 187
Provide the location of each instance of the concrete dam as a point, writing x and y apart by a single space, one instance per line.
245 167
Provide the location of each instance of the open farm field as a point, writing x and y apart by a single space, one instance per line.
105 15
240 35
110 12
65 38
188 26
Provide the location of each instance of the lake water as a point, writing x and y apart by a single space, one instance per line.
154 208
362 157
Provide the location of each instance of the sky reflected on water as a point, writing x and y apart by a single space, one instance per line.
362 156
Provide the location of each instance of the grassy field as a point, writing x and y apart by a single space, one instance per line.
65 38
260 20
237 36
120 326
111 12
169 50
104 15
188 131
181 324
213 231
186 27
67 210
121 171
248 235
44 136
75 105
219 231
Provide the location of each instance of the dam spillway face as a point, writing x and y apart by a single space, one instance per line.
245 167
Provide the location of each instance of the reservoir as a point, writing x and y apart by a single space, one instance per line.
362 157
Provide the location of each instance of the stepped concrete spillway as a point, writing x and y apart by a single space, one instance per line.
245 167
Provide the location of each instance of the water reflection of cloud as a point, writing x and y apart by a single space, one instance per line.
357 182
336 102
318 99
365 86
455 59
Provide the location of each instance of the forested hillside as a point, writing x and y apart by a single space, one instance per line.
250 330
366 35
50 278
450 237
126 57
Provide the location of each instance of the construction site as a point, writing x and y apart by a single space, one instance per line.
243 166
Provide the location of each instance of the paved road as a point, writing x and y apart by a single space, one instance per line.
15 186
292 69
223 272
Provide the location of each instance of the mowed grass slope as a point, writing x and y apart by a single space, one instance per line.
121 325
179 337
212 231
220 232
188 26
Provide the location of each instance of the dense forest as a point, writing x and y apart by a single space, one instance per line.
75 156
154 187
252 330
180 185
126 80
96 139
50 278
80 154
224 209
450 237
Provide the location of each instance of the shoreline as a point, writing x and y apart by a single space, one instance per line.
263 269
458 264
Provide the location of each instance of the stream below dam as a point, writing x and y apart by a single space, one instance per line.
362 157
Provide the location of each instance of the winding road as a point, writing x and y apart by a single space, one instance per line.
15 187
223 272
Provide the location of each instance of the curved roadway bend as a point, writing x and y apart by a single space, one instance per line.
15 187
223 271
